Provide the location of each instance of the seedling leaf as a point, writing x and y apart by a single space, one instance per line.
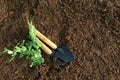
29 49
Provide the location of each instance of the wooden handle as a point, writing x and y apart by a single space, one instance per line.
46 40
45 48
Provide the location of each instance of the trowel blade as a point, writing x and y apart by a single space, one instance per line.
64 54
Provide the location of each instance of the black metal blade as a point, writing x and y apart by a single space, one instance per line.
64 54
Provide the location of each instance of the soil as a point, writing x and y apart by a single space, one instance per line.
89 28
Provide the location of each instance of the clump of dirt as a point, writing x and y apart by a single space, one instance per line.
90 28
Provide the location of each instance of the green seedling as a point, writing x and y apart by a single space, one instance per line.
29 49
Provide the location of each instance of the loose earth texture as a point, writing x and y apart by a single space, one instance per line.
89 28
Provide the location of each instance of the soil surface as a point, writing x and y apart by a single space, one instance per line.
89 28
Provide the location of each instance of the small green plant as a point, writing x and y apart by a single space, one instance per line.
29 49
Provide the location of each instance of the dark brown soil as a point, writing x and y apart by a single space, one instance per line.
90 28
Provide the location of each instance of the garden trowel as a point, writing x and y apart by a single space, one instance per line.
62 53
